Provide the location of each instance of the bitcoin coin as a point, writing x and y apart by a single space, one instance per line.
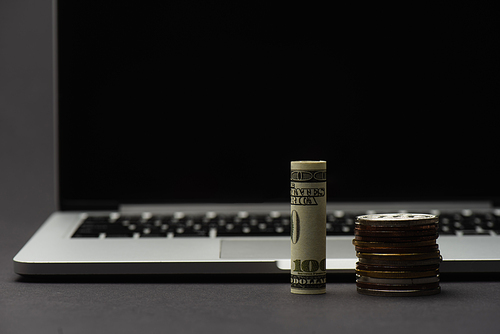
386 239
398 234
397 219
393 245
383 261
397 274
398 250
372 267
397 286
398 293
404 281
399 257
377 228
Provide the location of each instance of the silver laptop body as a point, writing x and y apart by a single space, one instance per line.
52 251
176 125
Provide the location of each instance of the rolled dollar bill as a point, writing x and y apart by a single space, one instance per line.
308 227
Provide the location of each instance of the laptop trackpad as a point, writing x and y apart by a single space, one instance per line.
273 249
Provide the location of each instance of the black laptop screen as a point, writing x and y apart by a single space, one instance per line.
201 101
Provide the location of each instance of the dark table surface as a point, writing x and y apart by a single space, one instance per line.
226 304
184 304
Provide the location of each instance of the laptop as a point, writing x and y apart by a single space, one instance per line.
177 121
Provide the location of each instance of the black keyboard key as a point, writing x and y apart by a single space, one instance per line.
446 224
254 225
127 220
487 221
120 235
340 223
234 230
190 227
281 229
92 227
465 222
193 231
475 232
154 230
154 235
85 235
446 230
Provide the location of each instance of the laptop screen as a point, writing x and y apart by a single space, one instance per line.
200 101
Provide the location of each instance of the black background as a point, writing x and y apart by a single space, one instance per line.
218 304
170 101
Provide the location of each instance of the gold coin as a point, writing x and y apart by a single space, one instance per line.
395 229
422 280
397 250
397 219
397 286
397 274
398 293
390 262
412 268
399 257
393 244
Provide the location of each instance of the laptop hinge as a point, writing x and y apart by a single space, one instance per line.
285 207
203 208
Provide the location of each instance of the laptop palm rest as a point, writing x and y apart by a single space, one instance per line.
273 249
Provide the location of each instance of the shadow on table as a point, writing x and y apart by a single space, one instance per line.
228 278
177 278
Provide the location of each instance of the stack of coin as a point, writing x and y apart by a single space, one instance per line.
397 254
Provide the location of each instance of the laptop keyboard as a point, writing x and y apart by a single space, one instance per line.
179 225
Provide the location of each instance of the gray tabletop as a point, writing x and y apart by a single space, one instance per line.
224 304
184 304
